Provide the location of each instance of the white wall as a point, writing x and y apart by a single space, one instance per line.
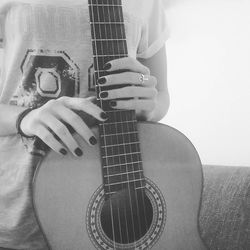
209 77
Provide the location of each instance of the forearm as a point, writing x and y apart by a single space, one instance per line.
161 108
8 117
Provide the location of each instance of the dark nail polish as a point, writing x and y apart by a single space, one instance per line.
63 151
104 116
93 140
107 66
113 103
102 80
104 94
78 152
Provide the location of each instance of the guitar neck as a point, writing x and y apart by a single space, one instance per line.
107 32
119 140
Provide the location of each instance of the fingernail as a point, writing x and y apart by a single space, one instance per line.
113 103
63 151
93 140
104 94
107 66
104 116
78 152
102 80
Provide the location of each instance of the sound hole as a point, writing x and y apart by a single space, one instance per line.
126 216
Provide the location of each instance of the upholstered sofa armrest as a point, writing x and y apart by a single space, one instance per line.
225 209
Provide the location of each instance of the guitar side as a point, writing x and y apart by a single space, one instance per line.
64 186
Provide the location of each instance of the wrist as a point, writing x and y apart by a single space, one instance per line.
19 120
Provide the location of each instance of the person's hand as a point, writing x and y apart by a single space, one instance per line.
48 123
142 90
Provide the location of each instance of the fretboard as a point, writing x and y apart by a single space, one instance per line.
119 139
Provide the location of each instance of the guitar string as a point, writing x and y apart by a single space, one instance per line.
134 176
141 174
117 139
113 50
101 104
127 118
104 129
98 75
113 143
120 18
115 35
134 127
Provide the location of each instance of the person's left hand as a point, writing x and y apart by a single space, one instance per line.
141 91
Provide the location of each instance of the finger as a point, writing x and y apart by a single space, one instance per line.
77 123
129 92
85 105
47 137
127 63
128 78
61 131
92 99
134 104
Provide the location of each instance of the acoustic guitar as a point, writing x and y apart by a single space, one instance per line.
139 188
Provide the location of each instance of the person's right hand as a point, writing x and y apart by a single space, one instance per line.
51 118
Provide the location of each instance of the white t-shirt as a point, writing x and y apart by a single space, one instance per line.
47 53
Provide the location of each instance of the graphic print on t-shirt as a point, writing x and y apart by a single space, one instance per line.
46 75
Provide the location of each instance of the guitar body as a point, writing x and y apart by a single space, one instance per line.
70 205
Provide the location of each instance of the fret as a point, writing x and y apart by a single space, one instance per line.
122 168
119 139
111 5
121 149
137 184
125 177
137 188
108 23
101 39
108 31
134 154
105 14
135 144
126 173
105 2
120 122
109 47
125 182
121 134
133 165
122 159
118 128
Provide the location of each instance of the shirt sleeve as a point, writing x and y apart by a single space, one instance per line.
154 32
1 31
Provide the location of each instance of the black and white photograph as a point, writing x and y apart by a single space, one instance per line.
124 125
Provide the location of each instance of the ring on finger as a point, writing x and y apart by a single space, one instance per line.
143 78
